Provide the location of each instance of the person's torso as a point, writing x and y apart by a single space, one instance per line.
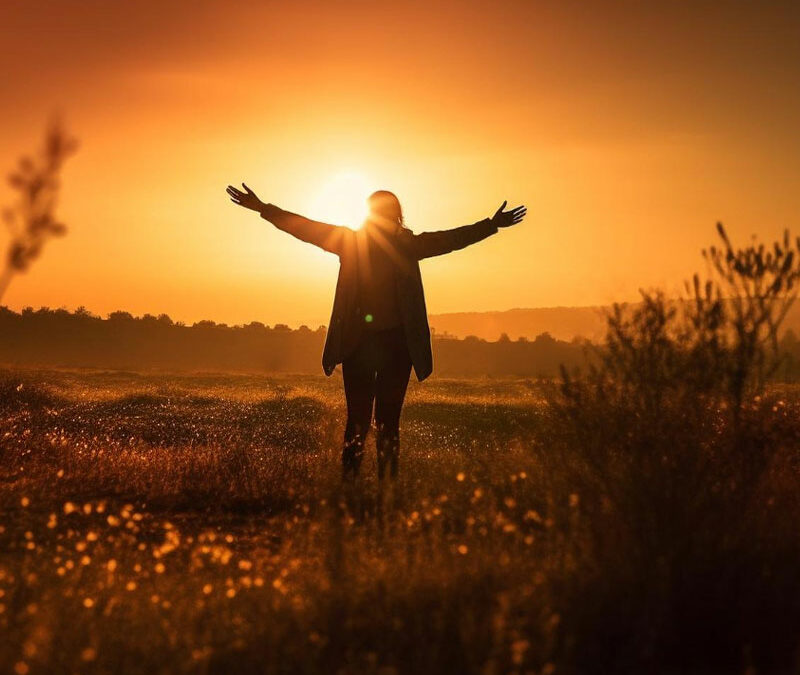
378 267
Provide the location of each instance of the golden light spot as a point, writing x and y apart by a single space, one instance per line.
463 549
460 476
89 654
111 565
25 502
342 199
159 568
21 668
130 586
88 603
230 592
207 589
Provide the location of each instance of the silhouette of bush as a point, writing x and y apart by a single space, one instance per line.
670 439
31 220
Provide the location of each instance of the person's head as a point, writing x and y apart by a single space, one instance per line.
385 210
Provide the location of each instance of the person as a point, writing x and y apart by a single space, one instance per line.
379 325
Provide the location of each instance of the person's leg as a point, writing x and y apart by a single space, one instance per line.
358 373
390 390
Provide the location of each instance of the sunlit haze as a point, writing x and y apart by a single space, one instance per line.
341 199
628 129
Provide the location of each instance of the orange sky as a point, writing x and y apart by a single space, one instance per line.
627 128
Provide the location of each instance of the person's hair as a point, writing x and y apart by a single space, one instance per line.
384 208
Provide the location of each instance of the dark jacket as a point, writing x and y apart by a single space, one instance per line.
406 249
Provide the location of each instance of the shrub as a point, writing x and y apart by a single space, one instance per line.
668 438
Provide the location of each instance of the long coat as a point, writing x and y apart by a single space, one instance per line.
406 249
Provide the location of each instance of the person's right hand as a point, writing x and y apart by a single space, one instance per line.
248 199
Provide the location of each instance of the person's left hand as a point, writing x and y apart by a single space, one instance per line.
248 199
508 218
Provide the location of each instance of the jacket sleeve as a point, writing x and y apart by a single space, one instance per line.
429 244
327 237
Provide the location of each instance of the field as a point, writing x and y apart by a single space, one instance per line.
197 523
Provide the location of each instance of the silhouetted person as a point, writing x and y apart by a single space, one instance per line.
379 324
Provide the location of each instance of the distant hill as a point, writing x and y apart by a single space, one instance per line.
563 323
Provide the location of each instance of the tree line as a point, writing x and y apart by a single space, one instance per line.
80 339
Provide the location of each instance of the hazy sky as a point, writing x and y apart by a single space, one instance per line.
628 128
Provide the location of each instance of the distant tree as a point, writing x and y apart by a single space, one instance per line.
84 313
31 220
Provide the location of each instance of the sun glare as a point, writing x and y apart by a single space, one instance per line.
342 199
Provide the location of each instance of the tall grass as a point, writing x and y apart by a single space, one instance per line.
682 457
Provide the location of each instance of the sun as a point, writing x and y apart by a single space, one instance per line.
342 199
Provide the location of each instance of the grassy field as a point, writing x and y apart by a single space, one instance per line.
176 523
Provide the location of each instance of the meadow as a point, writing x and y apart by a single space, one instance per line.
169 523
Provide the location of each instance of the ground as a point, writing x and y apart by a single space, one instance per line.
169 523
190 523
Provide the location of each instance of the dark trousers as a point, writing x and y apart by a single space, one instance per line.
376 373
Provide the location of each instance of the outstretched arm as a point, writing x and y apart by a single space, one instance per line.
327 237
429 244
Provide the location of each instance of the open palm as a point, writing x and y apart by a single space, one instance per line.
248 198
508 218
